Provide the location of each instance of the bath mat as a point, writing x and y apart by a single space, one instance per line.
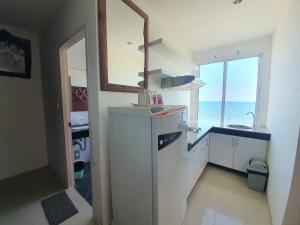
58 208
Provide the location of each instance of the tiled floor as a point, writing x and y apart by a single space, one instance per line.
223 198
20 200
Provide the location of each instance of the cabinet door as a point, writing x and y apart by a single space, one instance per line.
246 149
197 160
192 157
221 149
206 149
203 155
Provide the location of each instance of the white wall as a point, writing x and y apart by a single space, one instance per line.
292 215
78 77
165 62
22 139
170 97
74 15
257 47
124 99
157 30
76 58
284 110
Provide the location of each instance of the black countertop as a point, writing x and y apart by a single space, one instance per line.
195 138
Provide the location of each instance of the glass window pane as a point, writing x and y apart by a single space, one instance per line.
210 96
241 86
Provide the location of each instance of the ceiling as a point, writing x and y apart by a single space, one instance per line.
197 24
28 14
205 24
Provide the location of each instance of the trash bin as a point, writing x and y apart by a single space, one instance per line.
257 174
78 170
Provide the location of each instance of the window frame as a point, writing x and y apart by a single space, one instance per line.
225 67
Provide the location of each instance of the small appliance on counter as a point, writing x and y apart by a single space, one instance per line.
150 98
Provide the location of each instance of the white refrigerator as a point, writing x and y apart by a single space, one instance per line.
148 165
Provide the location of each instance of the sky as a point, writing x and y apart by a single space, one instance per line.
241 80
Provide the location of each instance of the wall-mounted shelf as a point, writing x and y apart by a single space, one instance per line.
169 69
158 72
160 46
140 83
187 82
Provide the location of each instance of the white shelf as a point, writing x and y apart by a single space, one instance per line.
160 46
158 72
181 83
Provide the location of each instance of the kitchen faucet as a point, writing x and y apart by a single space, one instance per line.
248 113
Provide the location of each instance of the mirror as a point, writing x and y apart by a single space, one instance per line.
123 28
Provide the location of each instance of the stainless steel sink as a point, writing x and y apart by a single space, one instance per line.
239 126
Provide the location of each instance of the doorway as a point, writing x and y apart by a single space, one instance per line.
76 116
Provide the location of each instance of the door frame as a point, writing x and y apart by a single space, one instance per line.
66 107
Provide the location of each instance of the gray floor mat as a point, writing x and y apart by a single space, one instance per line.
58 208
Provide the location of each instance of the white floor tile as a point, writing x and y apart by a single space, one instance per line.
222 198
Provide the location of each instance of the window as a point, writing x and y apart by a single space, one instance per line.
210 96
230 92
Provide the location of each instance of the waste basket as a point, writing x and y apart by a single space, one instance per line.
257 174
78 170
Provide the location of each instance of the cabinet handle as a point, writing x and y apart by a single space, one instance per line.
236 142
232 142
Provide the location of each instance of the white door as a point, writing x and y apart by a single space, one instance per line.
170 165
221 149
197 161
247 148
203 154
193 158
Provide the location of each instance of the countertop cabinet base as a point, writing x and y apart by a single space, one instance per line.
197 161
221 150
235 152
246 149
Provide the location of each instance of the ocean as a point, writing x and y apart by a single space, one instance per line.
235 113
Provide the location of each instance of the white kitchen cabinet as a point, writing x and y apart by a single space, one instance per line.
247 148
221 149
193 161
197 161
203 148
235 152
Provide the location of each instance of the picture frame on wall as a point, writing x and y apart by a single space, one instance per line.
15 56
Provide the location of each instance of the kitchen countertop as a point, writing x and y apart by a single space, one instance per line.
194 138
